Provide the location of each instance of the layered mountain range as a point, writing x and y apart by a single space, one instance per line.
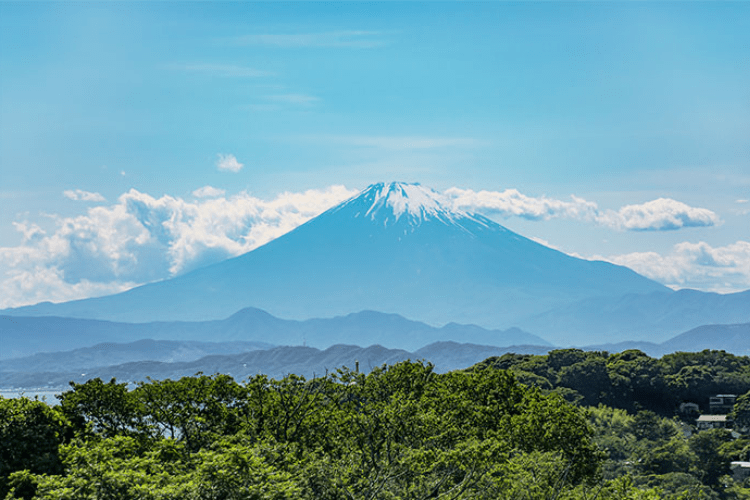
401 249
135 361
24 336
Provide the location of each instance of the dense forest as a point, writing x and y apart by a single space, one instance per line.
567 425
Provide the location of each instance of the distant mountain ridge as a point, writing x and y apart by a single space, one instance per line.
276 362
397 248
114 353
23 336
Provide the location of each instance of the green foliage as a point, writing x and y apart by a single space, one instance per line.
660 453
708 448
401 431
194 410
648 426
638 381
503 429
120 467
631 380
30 435
741 412
697 376
677 486
106 409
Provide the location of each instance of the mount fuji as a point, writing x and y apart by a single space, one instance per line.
395 248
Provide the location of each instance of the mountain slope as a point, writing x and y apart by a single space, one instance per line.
395 248
655 316
731 338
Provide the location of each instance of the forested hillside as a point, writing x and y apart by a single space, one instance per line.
631 379
401 431
633 404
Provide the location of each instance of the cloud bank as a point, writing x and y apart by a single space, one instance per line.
694 265
141 238
662 214
512 203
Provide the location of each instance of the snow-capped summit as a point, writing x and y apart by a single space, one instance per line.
409 204
401 198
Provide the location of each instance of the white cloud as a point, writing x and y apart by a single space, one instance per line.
694 265
352 39
40 284
662 214
81 195
29 231
513 203
208 192
141 238
228 163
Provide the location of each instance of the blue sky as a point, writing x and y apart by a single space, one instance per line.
139 140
